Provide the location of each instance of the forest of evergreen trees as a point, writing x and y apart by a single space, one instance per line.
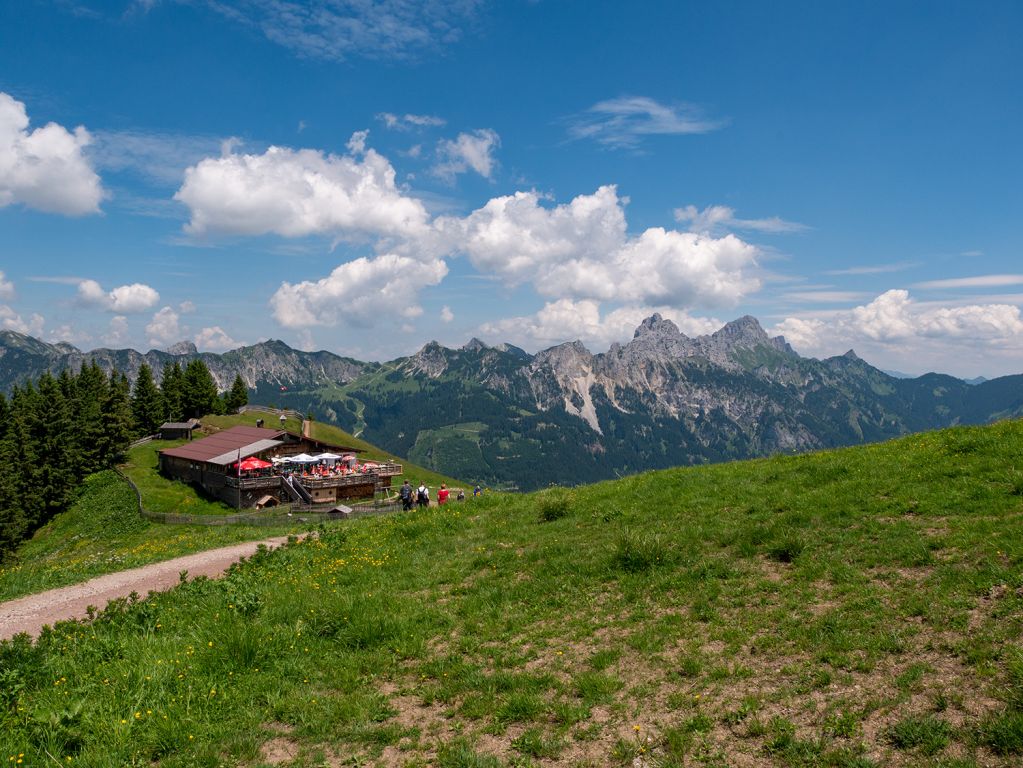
57 430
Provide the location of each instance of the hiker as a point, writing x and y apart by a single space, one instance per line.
422 496
406 496
477 491
461 495
442 494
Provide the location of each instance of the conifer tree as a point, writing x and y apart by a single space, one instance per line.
237 396
147 406
12 516
117 420
199 391
22 453
49 427
171 387
86 413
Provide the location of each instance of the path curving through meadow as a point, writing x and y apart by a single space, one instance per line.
32 612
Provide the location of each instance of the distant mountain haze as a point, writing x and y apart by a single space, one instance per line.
501 416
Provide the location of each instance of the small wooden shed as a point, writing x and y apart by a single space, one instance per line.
178 430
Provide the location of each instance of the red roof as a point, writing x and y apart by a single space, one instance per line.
222 442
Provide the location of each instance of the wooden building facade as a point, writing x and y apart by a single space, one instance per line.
212 464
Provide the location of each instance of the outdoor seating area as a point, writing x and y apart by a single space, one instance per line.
242 465
321 465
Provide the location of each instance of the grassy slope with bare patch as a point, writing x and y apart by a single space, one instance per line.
851 608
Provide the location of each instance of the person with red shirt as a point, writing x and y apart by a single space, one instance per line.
442 494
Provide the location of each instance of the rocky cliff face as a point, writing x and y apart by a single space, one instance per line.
664 372
270 362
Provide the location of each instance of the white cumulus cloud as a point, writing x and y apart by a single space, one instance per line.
581 250
46 168
164 329
568 319
518 239
215 339
901 333
72 334
299 192
117 333
12 321
469 151
133 298
358 292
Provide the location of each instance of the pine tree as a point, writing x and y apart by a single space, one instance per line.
117 420
172 390
86 414
12 516
49 427
199 391
237 396
147 406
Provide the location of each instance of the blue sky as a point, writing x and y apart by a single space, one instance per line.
366 177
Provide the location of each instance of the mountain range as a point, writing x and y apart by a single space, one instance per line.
501 416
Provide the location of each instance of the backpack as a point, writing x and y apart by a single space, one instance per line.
406 492
422 497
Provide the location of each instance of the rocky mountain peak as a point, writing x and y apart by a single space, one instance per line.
183 348
431 360
474 345
568 359
570 350
746 331
511 349
656 339
657 326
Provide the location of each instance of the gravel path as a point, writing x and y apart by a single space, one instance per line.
31 613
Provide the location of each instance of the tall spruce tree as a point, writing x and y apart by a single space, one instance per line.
49 427
117 420
13 523
237 396
86 412
199 391
172 384
147 406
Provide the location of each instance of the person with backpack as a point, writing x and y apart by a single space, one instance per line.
406 496
423 496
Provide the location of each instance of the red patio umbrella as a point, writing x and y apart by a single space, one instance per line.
252 462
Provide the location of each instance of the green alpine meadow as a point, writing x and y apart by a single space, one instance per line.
857 607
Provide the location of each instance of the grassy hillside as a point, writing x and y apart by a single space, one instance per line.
852 608
102 532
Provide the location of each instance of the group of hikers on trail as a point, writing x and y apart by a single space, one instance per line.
421 495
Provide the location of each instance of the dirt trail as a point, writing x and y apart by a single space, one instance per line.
29 614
